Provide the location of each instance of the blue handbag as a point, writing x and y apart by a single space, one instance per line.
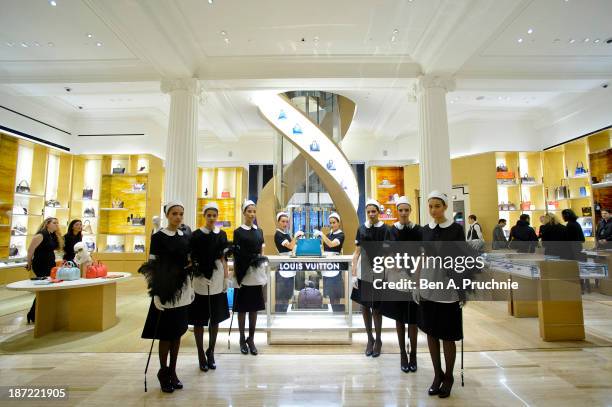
282 115
68 272
297 129
230 297
308 247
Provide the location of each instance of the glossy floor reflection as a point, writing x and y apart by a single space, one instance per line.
505 378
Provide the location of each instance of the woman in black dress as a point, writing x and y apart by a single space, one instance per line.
404 312
333 283
72 237
441 319
41 253
170 288
208 247
284 280
250 273
372 230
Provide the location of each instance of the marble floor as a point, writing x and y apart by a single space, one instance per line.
506 364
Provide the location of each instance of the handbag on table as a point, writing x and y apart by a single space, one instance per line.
88 194
68 272
23 187
96 270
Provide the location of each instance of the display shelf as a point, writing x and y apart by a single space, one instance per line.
600 185
387 184
22 195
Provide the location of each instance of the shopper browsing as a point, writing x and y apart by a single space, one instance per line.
404 312
373 230
250 272
170 287
474 234
209 308
523 238
499 237
72 237
604 230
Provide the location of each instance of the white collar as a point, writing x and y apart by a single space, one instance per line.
282 231
336 232
443 225
206 231
245 227
400 226
369 225
171 233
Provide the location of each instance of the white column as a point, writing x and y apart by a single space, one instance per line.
181 146
435 163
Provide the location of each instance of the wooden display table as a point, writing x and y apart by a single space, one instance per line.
79 305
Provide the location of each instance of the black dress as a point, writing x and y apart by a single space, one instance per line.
284 285
43 259
575 237
69 241
403 311
173 255
333 287
207 249
248 242
440 319
373 233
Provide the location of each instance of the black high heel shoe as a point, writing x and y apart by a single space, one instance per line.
163 375
30 319
377 349
244 349
202 361
369 347
447 386
404 362
175 382
412 365
211 359
251 345
434 389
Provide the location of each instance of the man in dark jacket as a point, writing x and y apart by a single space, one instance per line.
499 238
604 230
522 236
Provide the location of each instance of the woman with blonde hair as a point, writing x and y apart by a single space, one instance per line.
554 236
41 253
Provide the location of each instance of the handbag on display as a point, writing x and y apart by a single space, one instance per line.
87 229
526 179
525 206
552 205
91 246
225 194
117 204
331 166
561 192
143 168
139 187
19 230
23 187
502 168
587 211
297 129
13 251
17 210
88 194
310 297
96 270
89 213
138 221
583 191
282 115
608 177
511 206
580 170
119 170
52 203
314 146
139 248
68 272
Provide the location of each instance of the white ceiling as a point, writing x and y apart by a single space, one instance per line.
350 47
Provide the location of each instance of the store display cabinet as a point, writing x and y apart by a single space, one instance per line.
386 186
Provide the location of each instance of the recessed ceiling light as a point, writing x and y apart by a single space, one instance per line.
226 40
36 43
587 39
499 98
557 40
519 40
210 1
530 31
89 35
597 41
452 102
10 44
223 33
24 44
396 31
53 3
507 98
98 44
50 44
393 38
571 41
316 39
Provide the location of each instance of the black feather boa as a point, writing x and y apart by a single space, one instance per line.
165 279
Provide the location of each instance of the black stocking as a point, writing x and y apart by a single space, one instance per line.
164 348
252 324
212 336
241 323
174 350
434 352
413 332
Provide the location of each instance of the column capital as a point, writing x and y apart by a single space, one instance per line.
446 82
191 85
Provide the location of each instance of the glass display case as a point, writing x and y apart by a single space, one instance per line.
530 268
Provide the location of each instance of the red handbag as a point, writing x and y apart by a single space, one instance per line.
96 270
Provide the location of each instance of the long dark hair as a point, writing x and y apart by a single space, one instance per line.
568 215
70 231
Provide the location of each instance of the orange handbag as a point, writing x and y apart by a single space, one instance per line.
58 265
504 175
96 270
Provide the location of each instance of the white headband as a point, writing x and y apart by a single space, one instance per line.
439 195
172 204
402 200
373 202
211 205
280 215
246 203
334 215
